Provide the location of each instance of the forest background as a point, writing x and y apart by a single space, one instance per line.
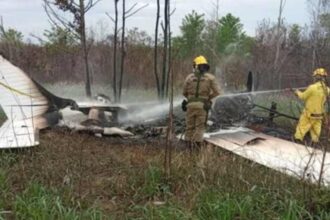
280 55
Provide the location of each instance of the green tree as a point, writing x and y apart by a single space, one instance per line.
230 33
10 41
59 39
11 36
294 35
246 44
190 43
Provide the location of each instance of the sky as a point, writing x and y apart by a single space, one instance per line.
29 17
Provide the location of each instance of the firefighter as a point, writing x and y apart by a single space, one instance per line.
200 87
313 114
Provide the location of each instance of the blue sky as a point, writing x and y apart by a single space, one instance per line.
28 16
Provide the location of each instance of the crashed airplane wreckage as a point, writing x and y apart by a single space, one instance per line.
29 108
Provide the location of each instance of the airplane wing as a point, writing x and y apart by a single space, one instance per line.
297 160
23 104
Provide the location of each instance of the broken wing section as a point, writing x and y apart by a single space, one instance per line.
19 96
14 134
23 105
290 158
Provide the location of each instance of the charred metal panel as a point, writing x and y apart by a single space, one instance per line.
228 110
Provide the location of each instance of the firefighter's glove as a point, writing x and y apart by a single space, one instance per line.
207 105
184 105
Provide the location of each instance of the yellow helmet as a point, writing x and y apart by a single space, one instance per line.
200 60
320 72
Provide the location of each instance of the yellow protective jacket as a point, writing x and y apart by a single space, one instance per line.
314 97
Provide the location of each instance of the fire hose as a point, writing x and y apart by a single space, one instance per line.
276 112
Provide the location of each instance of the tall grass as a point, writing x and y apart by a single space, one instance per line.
163 212
155 185
214 204
227 187
127 182
38 203
4 191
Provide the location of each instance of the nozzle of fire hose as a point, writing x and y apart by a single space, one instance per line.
276 112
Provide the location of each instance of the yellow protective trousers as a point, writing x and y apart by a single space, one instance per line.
307 123
195 123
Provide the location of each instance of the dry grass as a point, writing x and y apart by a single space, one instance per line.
124 179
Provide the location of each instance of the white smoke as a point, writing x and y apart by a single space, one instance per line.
150 111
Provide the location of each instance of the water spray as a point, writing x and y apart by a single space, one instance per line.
258 92
152 110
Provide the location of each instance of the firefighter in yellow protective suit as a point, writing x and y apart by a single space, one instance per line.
313 114
199 88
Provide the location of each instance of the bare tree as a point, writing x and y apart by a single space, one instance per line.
278 43
114 78
156 50
162 82
122 50
165 49
168 79
170 131
317 8
126 14
216 10
78 9
115 46
169 53
82 31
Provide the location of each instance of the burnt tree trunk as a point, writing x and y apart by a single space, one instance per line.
170 130
156 51
169 133
165 51
169 53
84 47
115 38
167 76
278 45
123 54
